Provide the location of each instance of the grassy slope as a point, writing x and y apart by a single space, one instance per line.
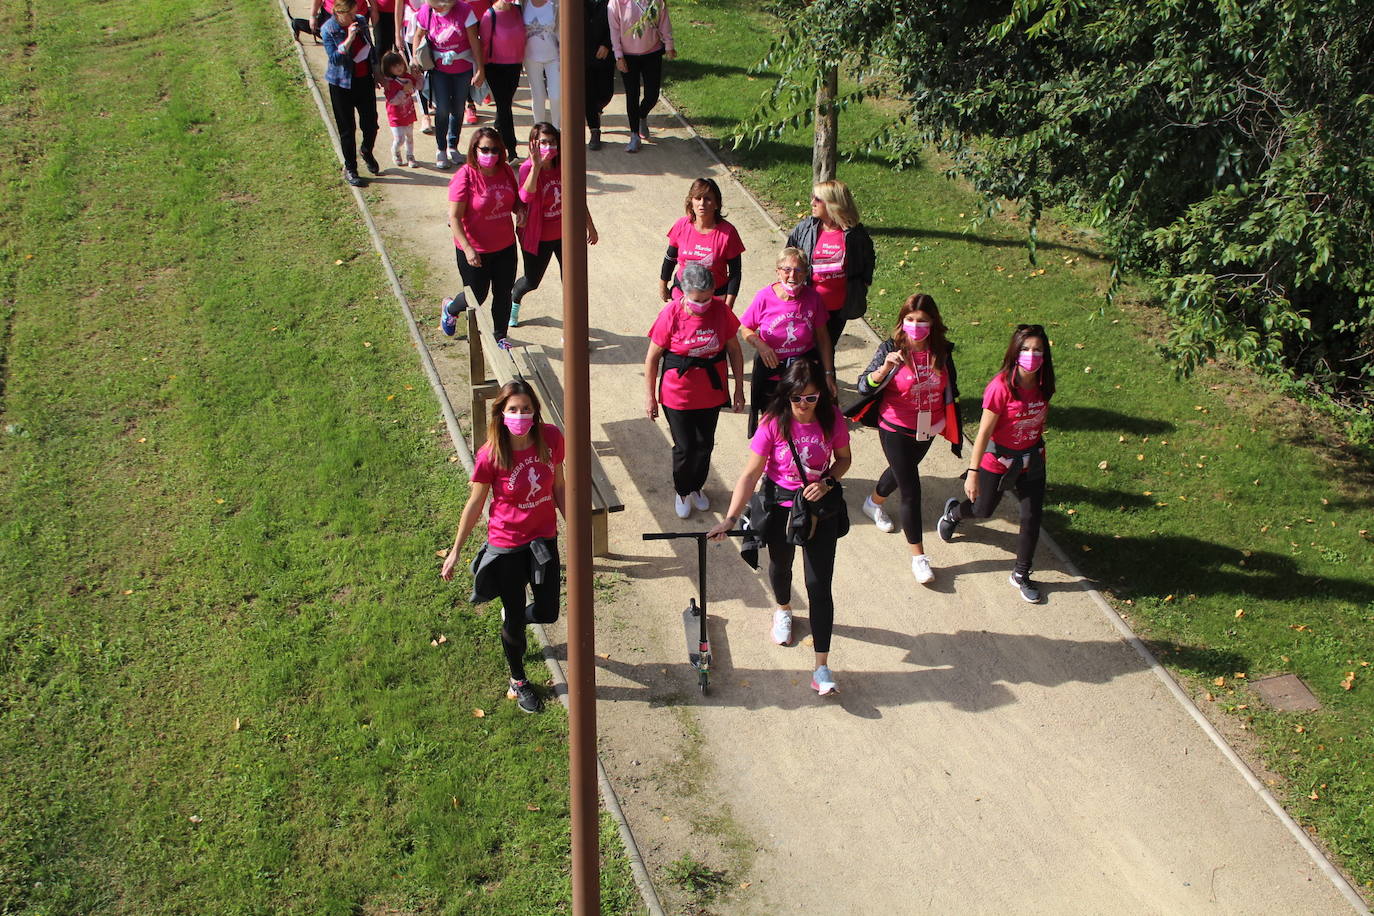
1216 496
221 489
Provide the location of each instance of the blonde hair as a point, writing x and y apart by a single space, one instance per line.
793 254
839 204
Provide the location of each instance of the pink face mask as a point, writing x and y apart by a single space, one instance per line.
916 330
1029 361
696 307
547 152
518 424
486 160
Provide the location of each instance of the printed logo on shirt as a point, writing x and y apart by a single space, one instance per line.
530 474
701 253
827 261
703 342
553 200
499 196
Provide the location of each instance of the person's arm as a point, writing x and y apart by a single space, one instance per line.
418 36
559 490
839 465
665 273
613 14
479 57
980 445
755 340
477 498
735 355
315 25
879 368
735 266
592 236
744 488
530 187
456 210
651 361
665 30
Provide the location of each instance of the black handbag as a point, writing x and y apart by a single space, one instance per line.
806 516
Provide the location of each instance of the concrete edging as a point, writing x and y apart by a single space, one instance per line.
1319 858
643 882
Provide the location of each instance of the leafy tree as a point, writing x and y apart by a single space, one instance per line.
1225 149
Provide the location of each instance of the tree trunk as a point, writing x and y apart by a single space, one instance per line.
825 152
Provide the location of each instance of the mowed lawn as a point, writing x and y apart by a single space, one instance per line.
1232 527
231 680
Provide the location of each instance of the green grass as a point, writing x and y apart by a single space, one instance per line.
1187 501
222 484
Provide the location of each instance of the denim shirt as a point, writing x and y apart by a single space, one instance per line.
339 71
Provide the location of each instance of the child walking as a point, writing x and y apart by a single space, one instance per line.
400 87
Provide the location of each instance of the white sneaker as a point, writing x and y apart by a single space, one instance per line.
920 568
880 518
699 501
823 681
682 505
782 626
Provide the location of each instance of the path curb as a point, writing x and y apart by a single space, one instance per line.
643 882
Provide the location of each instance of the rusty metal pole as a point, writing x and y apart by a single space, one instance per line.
582 784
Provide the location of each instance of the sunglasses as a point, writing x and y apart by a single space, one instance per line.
805 398
487 149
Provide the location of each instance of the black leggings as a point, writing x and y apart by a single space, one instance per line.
646 68
513 571
600 89
835 325
1030 493
497 275
361 97
818 566
503 80
535 265
694 438
384 33
904 454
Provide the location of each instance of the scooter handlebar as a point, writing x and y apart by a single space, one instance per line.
697 535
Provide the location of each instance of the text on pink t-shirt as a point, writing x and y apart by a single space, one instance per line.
490 201
713 249
814 447
786 325
522 507
914 397
678 330
827 268
1020 419
448 33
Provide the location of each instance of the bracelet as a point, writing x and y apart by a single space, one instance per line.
830 372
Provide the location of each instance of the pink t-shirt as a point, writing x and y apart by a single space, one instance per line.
448 33
503 35
712 250
914 398
1020 423
546 203
522 504
679 330
813 447
490 199
400 101
786 325
827 268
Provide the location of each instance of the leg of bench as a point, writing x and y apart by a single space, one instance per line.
601 538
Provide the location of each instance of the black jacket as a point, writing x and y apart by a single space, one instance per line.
865 410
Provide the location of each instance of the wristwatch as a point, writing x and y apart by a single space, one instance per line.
830 482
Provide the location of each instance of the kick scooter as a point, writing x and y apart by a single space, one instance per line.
694 615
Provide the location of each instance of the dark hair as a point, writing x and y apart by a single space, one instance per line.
478 136
939 341
538 129
498 437
1019 337
391 58
799 376
700 188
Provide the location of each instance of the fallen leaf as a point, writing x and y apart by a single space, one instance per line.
410 388
128 591
1300 729
143 439
338 262
1240 612
1079 346
237 724
1220 682
442 639
452 459
478 714
392 397
1086 548
607 654
744 886
1349 681
532 808
367 343
441 553
1071 512
219 502
1102 465
1137 457
195 818
1239 675
1211 698
1314 796
456 802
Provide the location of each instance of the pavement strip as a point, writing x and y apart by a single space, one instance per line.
984 755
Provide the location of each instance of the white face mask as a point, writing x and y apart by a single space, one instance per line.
790 287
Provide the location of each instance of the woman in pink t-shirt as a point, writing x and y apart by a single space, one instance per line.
706 237
785 323
840 251
910 393
541 188
501 30
690 341
803 423
521 468
483 212
1009 450
451 29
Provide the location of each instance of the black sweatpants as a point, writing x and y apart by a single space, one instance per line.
361 98
513 570
495 275
600 89
535 265
503 80
818 566
904 454
646 69
1030 493
694 438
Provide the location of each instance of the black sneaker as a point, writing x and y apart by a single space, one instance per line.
948 522
353 179
522 692
1028 589
373 165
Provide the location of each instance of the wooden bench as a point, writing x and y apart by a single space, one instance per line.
530 364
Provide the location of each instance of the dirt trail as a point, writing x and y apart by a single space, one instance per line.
984 755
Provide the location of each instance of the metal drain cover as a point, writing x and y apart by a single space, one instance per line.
1286 693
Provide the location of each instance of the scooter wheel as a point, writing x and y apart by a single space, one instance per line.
703 683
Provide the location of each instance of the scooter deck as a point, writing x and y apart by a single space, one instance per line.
694 633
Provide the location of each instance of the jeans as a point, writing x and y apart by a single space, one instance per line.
449 92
